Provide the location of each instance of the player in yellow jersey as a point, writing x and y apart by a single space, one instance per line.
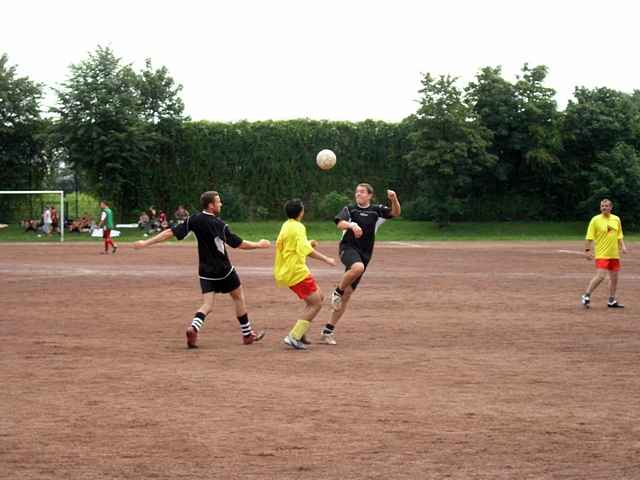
606 231
290 270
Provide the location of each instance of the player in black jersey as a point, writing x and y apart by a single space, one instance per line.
359 224
217 274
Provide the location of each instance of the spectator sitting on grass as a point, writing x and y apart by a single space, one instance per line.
82 224
29 225
143 221
154 224
162 221
180 215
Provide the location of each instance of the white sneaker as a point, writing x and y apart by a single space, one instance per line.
328 338
292 342
336 300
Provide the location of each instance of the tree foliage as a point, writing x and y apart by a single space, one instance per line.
524 120
616 175
23 136
450 148
264 164
120 127
494 149
22 130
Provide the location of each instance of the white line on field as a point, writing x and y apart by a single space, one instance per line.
572 252
409 245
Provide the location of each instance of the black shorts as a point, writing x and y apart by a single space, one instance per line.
349 256
224 285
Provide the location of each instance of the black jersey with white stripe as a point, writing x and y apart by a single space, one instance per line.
369 219
212 234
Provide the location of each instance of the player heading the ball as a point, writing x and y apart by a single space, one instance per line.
359 223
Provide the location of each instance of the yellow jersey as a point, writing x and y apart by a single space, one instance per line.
292 248
606 231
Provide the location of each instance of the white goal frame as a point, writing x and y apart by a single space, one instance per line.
36 192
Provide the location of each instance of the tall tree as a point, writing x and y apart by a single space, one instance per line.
537 137
23 159
161 110
159 95
616 175
114 123
524 120
494 101
99 124
22 130
598 119
601 128
450 147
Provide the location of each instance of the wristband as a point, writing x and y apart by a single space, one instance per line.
352 224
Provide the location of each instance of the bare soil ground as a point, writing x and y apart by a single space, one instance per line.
455 360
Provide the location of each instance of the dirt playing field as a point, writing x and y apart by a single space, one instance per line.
455 360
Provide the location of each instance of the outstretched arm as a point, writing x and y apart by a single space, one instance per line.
395 204
247 245
320 256
161 237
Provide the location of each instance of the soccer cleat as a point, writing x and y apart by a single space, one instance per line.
253 337
114 250
328 338
585 300
336 300
305 340
614 304
292 342
192 337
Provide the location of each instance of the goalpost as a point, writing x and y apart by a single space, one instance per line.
37 192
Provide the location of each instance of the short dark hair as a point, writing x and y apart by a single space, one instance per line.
293 208
606 200
208 197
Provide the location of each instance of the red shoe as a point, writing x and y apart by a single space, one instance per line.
192 337
253 337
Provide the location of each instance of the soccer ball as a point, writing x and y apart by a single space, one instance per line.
326 159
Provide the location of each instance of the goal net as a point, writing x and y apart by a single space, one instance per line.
34 209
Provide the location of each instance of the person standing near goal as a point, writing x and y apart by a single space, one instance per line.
359 224
290 270
106 222
216 273
606 230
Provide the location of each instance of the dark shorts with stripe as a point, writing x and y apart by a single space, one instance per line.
349 256
224 285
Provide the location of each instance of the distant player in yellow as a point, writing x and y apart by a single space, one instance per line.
606 230
290 270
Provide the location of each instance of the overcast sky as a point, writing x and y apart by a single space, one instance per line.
330 59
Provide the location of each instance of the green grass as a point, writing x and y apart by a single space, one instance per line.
398 230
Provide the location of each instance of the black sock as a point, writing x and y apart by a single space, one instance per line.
245 325
198 321
328 328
